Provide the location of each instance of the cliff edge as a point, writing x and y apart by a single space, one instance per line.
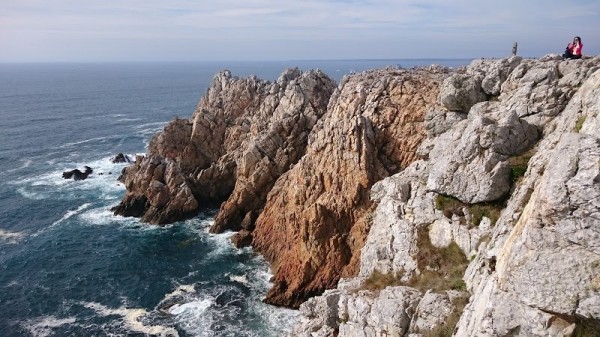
496 231
291 164
430 201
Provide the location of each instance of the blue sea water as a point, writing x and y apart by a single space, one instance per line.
68 267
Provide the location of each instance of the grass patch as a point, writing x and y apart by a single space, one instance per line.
441 268
451 206
378 281
488 210
494 98
518 165
587 327
579 124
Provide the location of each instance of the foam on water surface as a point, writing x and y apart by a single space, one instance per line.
132 319
11 237
44 326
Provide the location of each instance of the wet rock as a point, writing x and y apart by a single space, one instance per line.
76 174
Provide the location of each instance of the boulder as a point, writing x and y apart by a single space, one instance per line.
460 92
471 159
433 311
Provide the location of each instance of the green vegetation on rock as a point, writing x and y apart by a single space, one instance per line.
518 165
452 206
441 268
378 281
579 123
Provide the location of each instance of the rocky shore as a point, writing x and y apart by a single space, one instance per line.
430 201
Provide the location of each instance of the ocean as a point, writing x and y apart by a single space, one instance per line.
68 267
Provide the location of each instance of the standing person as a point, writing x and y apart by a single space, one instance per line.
573 50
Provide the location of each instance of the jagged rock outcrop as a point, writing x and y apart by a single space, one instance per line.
247 139
534 270
460 92
545 246
315 220
302 171
244 134
476 169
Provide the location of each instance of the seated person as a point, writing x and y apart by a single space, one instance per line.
573 50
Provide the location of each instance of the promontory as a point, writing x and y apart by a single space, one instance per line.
429 201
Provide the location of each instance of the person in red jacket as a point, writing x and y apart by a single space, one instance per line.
573 50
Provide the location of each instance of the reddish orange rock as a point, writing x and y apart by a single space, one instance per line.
317 215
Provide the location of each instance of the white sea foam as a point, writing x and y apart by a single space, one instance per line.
194 309
239 279
11 237
42 326
222 245
100 216
279 320
195 316
131 318
178 295
102 182
154 125
26 163
74 212
128 120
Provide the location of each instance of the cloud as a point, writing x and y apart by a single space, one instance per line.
339 28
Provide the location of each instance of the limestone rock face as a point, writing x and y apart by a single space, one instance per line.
433 310
315 219
388 314
244 134
534 271
404 205
545 246
540 90
471 159
494 72
460 92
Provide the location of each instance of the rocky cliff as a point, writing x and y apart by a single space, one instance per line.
431 202
244 134
291 164
317 215
496 231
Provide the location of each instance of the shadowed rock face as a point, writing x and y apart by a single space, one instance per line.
316 218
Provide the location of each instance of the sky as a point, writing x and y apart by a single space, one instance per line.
203 30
